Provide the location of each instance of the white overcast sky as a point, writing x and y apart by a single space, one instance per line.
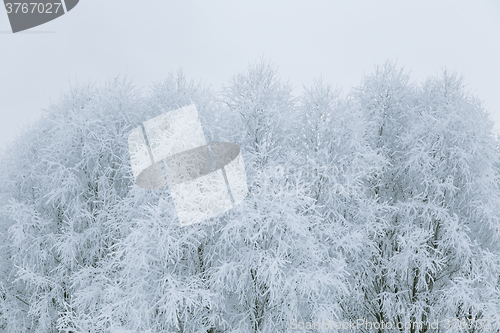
213 40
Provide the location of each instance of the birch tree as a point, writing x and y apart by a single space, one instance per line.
438 255
64 176
273 267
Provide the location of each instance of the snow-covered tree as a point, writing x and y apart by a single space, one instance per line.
268 261
64 176
156 280
341 168
263 110
438 256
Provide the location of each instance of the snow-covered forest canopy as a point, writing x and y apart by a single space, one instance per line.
380 205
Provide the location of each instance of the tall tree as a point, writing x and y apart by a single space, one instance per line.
437 258
156 280
341 169
65 174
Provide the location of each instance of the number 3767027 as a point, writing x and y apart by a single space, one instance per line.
33 7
